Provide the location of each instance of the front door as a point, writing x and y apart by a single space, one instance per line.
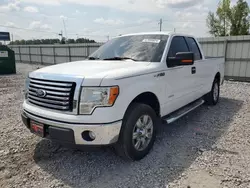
180 80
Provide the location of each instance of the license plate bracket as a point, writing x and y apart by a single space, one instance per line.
37 128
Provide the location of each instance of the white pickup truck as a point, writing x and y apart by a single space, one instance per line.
117 95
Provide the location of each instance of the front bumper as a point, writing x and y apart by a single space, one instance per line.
105 134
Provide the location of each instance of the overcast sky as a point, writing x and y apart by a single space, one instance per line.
97 19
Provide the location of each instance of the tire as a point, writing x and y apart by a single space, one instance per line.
212 98
127 145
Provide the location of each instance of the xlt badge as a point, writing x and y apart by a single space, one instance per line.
160 74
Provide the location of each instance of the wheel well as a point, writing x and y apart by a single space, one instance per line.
217 76
149 99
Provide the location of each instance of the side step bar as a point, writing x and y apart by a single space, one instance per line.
183 111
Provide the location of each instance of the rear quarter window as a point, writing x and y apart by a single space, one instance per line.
178 44
194 48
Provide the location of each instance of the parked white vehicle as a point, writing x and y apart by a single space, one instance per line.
119 93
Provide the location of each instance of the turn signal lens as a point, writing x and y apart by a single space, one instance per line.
113 94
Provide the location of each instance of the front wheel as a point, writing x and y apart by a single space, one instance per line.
138 132
212 98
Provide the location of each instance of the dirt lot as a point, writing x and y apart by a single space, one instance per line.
209 148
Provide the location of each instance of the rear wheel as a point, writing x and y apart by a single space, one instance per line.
212 98
138 132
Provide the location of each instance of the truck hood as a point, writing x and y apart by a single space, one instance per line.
92 70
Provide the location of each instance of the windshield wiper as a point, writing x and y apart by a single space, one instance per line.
93 58
120 58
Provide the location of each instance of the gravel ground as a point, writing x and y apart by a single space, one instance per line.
208 148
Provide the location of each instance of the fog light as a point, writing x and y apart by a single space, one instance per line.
92 135
88 136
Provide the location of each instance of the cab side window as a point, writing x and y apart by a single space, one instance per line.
178 44
194 48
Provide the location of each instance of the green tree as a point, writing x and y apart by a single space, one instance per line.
50 41
71 41
84 40
229 20
240 20
22 42
218 23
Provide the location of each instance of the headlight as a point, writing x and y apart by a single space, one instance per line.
93 97
26 87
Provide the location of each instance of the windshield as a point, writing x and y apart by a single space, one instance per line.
135 47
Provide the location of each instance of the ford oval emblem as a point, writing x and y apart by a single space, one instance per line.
41 93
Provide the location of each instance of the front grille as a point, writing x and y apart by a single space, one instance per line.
51 94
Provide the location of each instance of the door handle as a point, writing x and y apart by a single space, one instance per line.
193 70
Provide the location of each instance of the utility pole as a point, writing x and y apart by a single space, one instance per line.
108 37
65 28
224 17
12 38
61 34
174 29
160 24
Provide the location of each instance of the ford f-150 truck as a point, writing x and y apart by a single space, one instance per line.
120 92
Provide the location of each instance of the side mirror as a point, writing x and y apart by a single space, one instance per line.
181 59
